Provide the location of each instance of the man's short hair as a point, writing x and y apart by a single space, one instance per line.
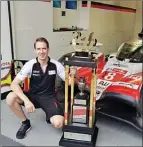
41 39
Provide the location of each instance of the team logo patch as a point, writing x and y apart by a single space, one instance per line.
36 71
52 72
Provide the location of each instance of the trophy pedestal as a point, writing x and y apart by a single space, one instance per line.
79 136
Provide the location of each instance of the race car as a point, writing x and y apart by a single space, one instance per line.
119 87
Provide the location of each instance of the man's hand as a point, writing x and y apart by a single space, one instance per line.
29 106
73 70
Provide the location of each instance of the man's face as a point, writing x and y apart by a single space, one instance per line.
41 50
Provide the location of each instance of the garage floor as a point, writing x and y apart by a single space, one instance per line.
111 132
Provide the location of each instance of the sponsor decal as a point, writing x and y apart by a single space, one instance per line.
134 77
5 75
36 71
52 72
104 83
6 82
101 86
120 65
129 85
5 65
6 69
113 74
36 74
118 70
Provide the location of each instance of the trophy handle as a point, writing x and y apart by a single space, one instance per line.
92 95
72 93
66 93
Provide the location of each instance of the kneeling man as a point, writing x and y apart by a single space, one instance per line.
42 72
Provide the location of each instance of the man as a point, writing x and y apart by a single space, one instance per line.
42 72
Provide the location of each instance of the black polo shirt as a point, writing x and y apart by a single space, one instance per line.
42 79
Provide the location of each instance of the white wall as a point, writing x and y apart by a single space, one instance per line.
69 20
139 18
74 17
112 27
31 20
83 15
5 33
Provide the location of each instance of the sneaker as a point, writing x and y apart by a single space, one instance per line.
25 127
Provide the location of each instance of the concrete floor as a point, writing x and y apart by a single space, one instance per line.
111 132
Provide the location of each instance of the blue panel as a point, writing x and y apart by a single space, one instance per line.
57 3
71 4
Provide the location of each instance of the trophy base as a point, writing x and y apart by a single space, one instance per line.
78 136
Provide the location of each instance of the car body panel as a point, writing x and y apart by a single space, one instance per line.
123 79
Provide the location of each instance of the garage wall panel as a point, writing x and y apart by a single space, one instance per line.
32 19
113 23
138 18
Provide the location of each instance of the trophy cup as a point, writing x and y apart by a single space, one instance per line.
80 122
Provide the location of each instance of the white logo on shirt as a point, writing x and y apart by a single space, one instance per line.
52 72
36 71
36 74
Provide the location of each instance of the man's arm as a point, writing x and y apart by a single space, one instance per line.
15 87
24 73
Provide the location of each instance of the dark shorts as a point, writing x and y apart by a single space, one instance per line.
48 103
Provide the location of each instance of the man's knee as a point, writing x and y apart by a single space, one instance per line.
11 98
57 121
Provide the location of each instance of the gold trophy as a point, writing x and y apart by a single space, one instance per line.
80 122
